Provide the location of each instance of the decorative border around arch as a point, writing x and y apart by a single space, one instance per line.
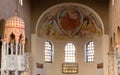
69 4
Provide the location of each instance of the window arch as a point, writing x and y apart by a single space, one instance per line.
69 53
48 51
89 51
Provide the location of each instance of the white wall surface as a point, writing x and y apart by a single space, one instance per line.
55 68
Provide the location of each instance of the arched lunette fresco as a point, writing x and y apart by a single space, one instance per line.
68 20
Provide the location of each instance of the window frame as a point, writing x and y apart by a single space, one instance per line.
70 55
51 51
90 54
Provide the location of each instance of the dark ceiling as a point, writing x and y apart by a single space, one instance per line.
51 2
46 1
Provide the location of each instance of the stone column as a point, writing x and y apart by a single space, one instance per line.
111 63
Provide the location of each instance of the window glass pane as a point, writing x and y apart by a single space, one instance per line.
69 53
90 52
48 51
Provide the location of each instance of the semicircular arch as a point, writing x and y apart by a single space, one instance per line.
56 16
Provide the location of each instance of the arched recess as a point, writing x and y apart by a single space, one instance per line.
66 20
118 36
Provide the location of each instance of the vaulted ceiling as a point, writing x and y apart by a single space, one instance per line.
39 6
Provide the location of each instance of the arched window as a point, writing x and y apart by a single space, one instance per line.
69 53
89 51
48 52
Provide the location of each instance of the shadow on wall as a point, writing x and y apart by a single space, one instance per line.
27 44
2 27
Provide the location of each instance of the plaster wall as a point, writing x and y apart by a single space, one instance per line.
114 17
84 68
